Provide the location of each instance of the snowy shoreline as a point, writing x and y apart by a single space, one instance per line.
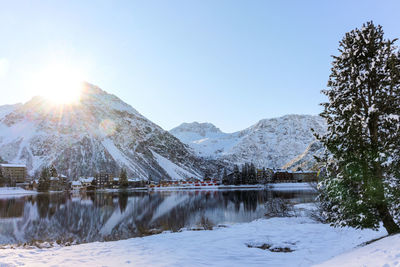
290 186
10 192
272 186
311 243
219 187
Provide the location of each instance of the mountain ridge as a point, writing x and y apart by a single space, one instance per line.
273 142
101 133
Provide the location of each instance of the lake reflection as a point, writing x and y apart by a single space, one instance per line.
92 217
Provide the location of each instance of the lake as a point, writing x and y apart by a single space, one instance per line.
67 218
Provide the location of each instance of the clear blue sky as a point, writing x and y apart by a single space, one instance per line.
226 62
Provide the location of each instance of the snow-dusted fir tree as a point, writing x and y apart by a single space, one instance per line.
44 180
362 183
225 177
236 175
53 171
123 179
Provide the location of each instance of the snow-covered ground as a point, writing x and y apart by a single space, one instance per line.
384 252
7 192
311 242
217 187
291 186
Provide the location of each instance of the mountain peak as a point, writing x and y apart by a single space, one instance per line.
100 133
202 129
268 143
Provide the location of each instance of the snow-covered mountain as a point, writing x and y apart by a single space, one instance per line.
101 133
268 143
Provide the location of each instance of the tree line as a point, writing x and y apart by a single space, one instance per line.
247 174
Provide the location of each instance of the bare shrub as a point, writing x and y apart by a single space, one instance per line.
279 208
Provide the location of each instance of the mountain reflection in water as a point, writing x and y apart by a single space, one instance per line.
62 217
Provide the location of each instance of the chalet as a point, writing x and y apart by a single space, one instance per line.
59 183
86 182
55 184
76 185
33 184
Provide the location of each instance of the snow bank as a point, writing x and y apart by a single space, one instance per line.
235 245
207 187
384 252
291 186
7 192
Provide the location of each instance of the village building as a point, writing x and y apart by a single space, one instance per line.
285 176
76 185
15 172
55 184
282 176
104 179
33 184
86 182
305 176
59 183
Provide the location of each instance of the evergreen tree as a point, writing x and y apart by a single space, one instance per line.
123 179
236 175
252 174
244 174
44 180
219 175
263 177
2 180
64 183
225 177
5 181
53 171
362 183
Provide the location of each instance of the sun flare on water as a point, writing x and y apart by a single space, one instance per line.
59 84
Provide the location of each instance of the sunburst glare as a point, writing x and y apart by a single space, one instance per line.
60 84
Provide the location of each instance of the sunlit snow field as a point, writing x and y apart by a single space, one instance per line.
311 242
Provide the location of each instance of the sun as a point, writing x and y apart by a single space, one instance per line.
59 84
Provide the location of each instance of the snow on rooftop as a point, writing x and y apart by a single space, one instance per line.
12 165
129 179
86 180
